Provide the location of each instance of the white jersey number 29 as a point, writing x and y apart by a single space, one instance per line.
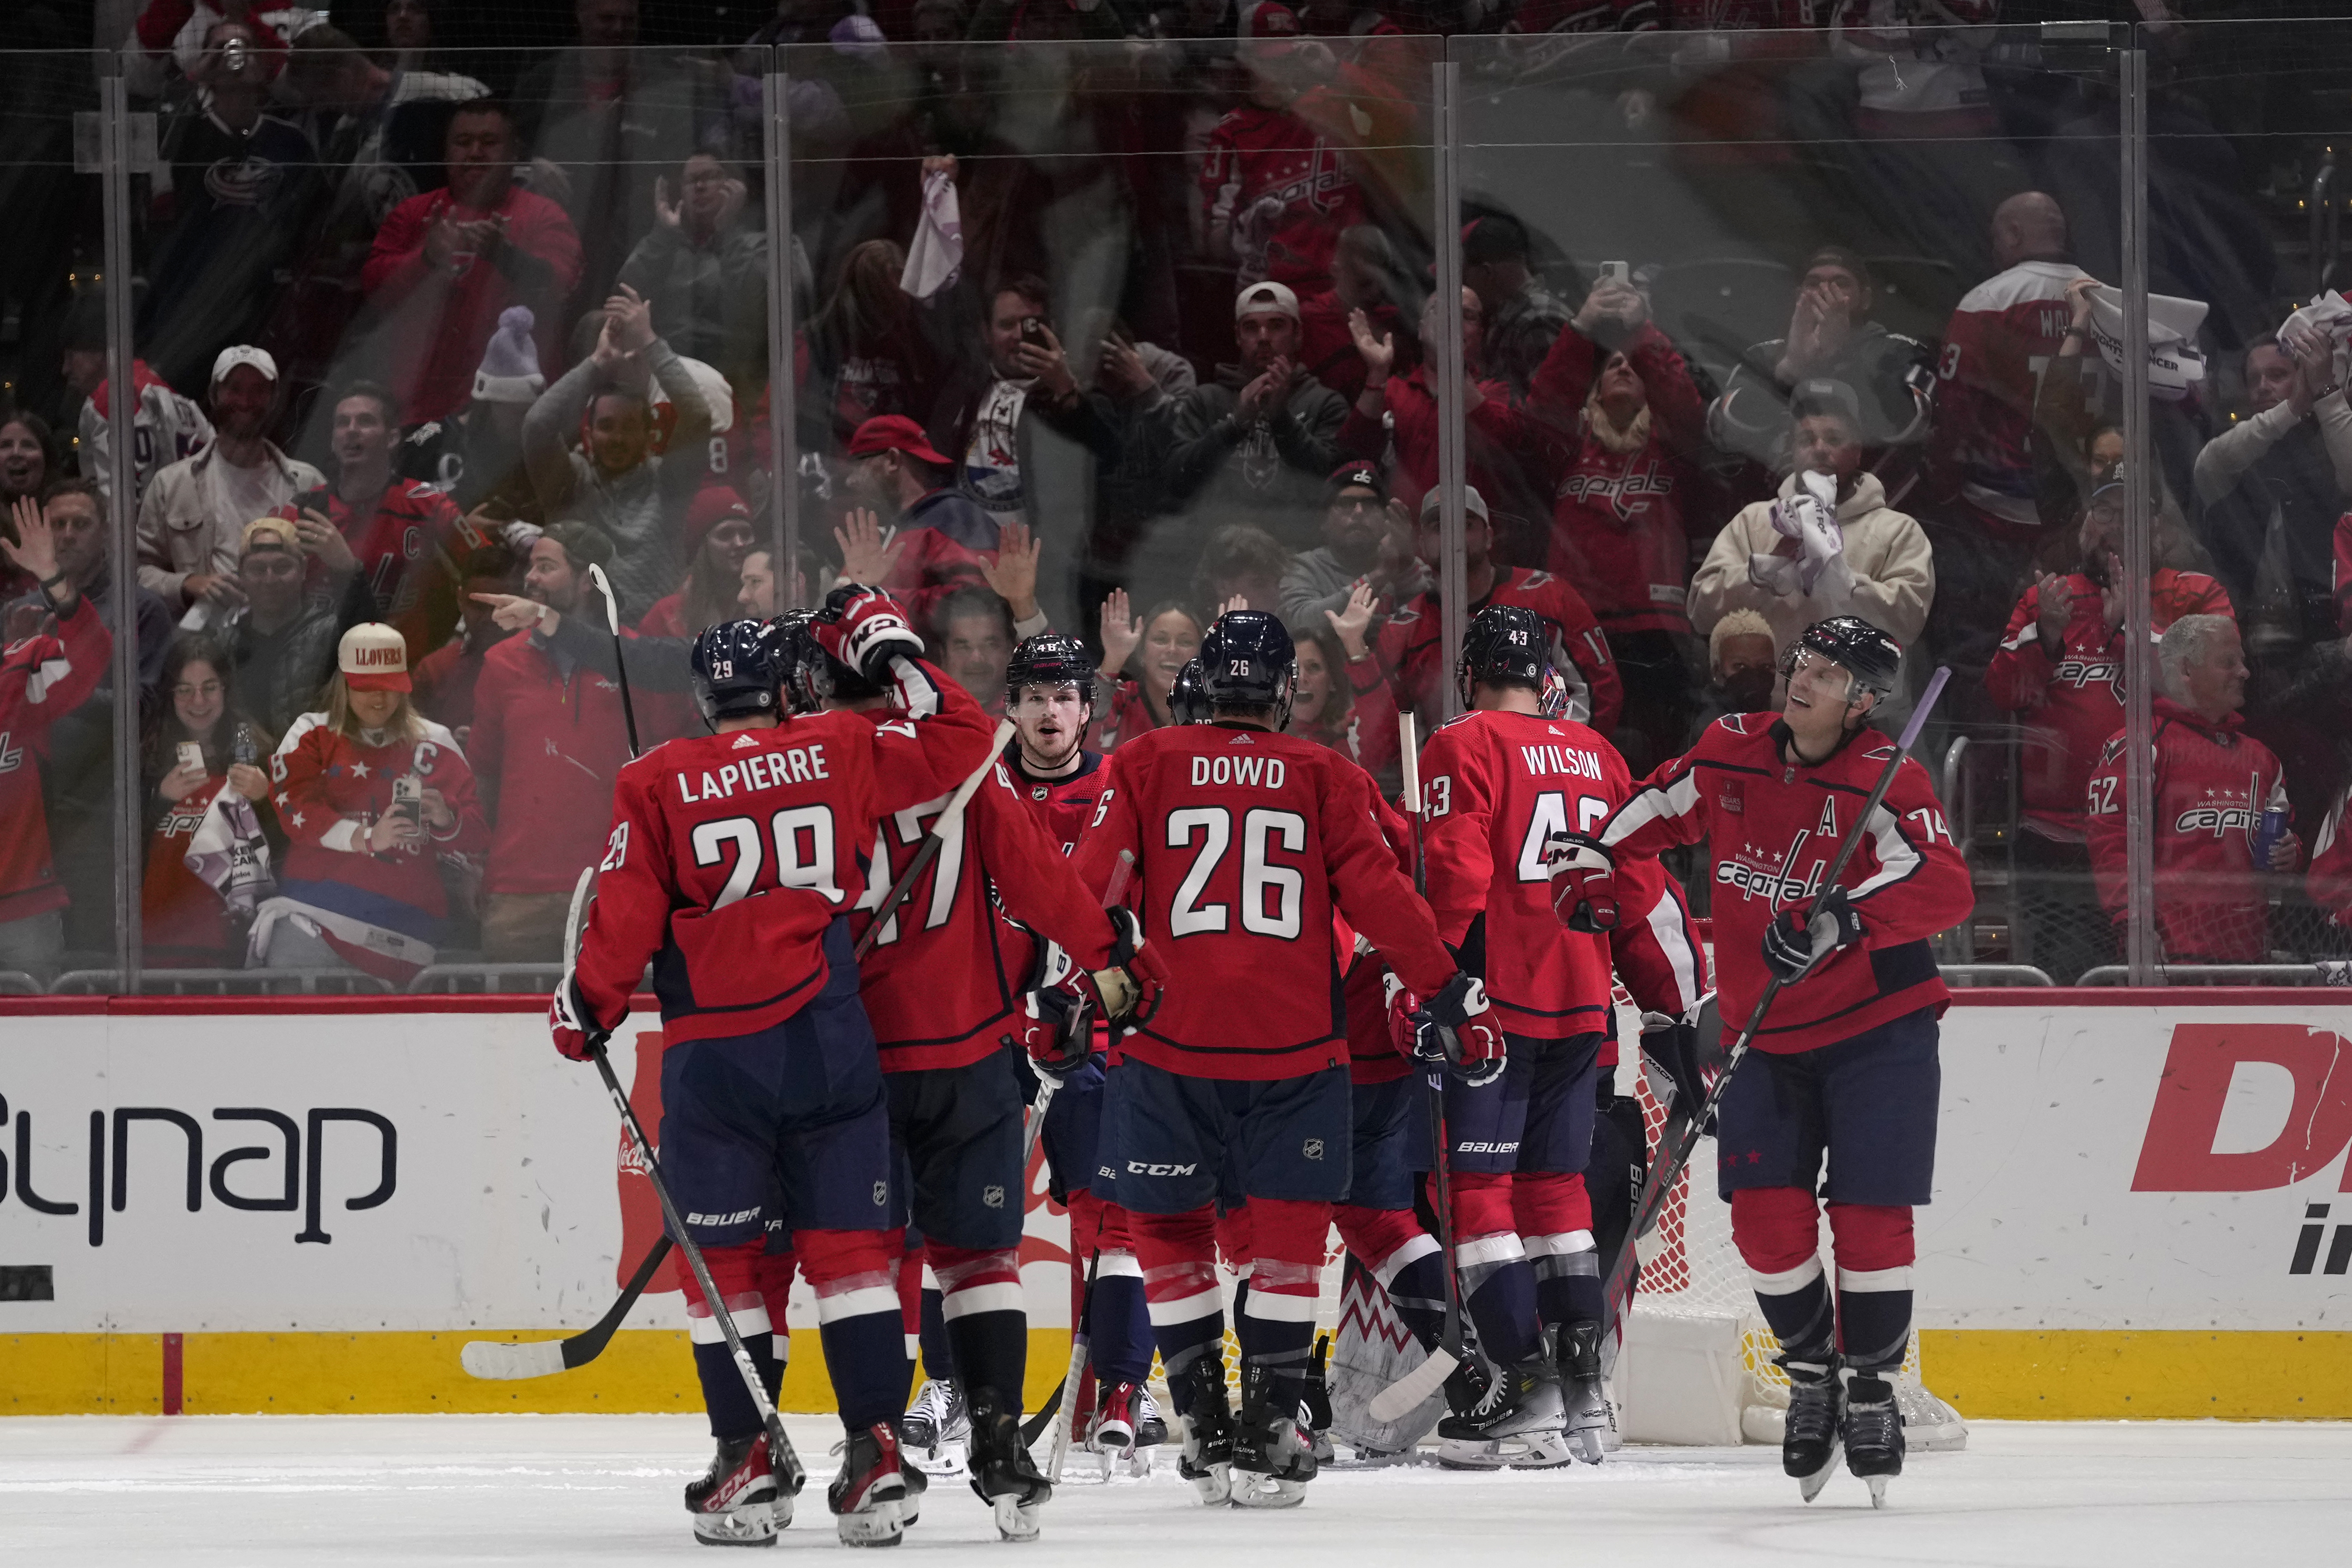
1271 894
805 854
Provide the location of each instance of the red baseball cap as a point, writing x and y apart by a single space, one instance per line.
712 505
893 433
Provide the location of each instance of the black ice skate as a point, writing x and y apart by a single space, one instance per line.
935 1427
1003 1475
1208 1455
1873 1433
870 1498
1809 1443
739 1500
1274 1456
1315 1405
1591 1421
1508 1426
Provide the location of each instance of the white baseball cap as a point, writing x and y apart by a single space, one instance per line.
1266 298
243 353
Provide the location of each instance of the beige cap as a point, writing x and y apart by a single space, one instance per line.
1266 298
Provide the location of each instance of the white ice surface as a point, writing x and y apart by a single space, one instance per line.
450 1490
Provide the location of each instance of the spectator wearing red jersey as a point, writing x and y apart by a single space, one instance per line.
1410 655
1626 418
372 794
2213 782
1275 193
1363 264
1141 659
2061 666
2329 880
904 483
549 738
445 679
719 536
2343 574
1829 545
447 262
405 537
182 922
42 678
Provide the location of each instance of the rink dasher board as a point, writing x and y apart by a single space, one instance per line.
2126 1185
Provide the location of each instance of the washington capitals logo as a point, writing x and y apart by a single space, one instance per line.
1627 494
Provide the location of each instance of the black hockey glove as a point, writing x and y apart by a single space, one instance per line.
1126 991
1456 1027
1792 950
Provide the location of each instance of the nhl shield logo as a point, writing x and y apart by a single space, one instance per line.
1313 1149
992 1197
881 1193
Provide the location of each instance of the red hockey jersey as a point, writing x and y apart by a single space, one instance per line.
1373 1053
1260 154
1617 508
1774 826
42 678
2329 882
1413 655
1497 785
2001 334
181 917
1244 842
1063 805
550 740
2074 700
730 855
941 981
411 547
2213 784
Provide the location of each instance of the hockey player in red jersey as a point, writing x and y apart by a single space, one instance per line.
2213 785
1050 697
1844 1063
1502 781
1410 654
942 985
734 860
1245 840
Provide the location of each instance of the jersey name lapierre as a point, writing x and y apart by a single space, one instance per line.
762 770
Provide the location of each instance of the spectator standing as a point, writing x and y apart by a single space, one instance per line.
2061 667
705 272
281 639
718 537
2271 489
1240 563
446 263
1626 418
77 528
405 538
1256 445
1141 659
1275 192
42 678
24 474
371 795
1799 559
475 456
549 739
1522 318
445 680
166 427
193 516
901 482
1831 337
1363 541
182 922
2211 786
2329 881
619 483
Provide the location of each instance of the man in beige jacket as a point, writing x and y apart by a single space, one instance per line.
1829 545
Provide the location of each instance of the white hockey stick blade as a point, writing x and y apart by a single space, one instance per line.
1405 1396
500 1361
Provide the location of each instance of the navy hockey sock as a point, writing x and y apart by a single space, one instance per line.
866 1354
1276 1327
1121 1325
938 1345
1567 1277
733 1417
984 1321
1499 1290
1417 1291
1873 1308
1796 1303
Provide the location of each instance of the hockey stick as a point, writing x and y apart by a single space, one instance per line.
948 821
1406 1395
1617 1291
782 1456
620 665
499 1359
1081 1337
1047 1084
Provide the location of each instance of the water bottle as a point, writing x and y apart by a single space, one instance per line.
247 750
2266 836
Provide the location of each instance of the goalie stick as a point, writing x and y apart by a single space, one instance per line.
1407 1393
1617 1290
950 821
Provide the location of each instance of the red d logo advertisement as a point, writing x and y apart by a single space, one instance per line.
2178 1154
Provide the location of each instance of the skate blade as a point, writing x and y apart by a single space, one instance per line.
1811 1485
1269 1491
884 1525
1591 1443
1469 1454
755 1524
946 1460
1015 1520
1214 1485
1547 1451
1877 1485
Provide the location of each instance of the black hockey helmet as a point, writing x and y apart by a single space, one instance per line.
1874 658
1247 660
1188 702
1504 644
1051 658
795 649
738 670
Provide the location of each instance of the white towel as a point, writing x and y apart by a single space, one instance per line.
937 254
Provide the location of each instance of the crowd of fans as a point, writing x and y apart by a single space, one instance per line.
441 359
